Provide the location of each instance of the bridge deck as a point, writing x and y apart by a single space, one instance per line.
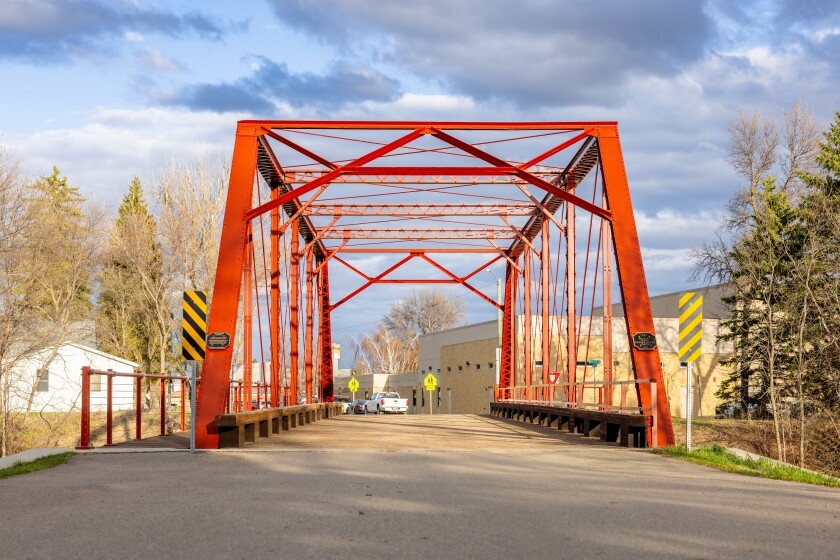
400 432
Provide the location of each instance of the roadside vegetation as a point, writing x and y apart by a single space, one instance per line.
37 465
720 457
778 252
73 272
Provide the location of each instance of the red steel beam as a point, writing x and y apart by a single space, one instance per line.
294 314
632 282
459 280
442 125
506 367
300 176
274 327
324 179
327 389
213 392
322 209
309 330
373 281
411 234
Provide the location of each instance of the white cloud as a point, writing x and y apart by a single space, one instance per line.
156 60
102 155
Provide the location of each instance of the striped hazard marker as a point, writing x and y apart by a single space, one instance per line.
691 327
194 325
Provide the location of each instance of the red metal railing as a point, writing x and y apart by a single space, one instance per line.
87 372
573 395
237 401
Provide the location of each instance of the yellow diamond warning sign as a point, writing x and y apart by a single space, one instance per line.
430 382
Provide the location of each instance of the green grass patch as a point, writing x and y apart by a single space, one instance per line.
719 457
41 464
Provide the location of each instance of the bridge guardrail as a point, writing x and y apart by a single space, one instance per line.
88 372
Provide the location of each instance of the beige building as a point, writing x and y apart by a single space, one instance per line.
465 359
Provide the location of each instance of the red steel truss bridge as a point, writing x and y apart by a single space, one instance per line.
437 203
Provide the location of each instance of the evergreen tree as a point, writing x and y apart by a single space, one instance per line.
124 316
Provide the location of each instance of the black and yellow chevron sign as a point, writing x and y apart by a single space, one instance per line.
194 325
691 327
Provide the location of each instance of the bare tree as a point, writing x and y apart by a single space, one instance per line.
191 201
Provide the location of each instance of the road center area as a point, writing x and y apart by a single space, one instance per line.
411 487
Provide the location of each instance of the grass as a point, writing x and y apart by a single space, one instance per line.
41 464
719 457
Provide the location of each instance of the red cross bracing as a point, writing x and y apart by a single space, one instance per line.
548 203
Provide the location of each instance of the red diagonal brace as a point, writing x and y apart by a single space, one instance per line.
536 181
373 281
458 280
327 177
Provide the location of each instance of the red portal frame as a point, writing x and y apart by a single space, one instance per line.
595 146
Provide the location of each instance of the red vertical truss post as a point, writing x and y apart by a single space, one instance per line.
109 410
294 317
183 404
274 335
545 263
213 389
248 320
327 390
84 439
606 250
571 291
163 405
309 331
631 278
138 412
527 339
506 368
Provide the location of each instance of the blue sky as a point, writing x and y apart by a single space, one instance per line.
108 89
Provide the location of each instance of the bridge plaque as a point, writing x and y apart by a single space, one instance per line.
218 340
644 341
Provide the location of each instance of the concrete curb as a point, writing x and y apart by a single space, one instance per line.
31 455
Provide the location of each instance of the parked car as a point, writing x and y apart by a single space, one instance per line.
345 404
359 406
386 402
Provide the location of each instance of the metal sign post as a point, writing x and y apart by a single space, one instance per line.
192 404
690 349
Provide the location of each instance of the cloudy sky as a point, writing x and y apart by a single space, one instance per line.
107 89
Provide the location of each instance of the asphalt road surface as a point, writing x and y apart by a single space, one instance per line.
411 487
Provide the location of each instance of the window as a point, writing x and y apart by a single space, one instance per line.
43 382
490 364
477 366
460 368
449 369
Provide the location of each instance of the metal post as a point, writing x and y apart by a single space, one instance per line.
84 439
606 251
294 319
571 331
138 422
689 405
193 382
526 294
109 410
545 263
247 319
274 323
327 387
654 403
507 377
183 404
308 331
163 406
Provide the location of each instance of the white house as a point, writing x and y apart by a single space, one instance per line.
60 387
